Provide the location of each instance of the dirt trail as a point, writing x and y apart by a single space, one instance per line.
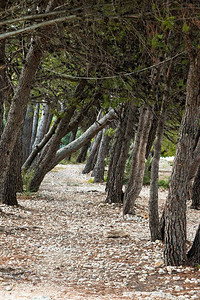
56 246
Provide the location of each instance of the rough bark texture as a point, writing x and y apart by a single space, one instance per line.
98 171
13 182
18 109
2 71
194 253
154 223
175 216
135 182
196 191
92 158
114 188
27 132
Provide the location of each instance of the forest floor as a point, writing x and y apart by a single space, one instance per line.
58 245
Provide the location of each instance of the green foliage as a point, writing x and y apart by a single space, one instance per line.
163 183
185 28
168 148
168 23
110 132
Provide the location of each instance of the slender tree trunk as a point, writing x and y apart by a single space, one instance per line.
27 132
175 209
92 158
99 168
194 253
43 124
35 124
154 223
138 161
114 189
196 191
83 153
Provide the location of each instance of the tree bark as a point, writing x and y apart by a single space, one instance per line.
138 161
194 253
72 138
43 124
196 191
2 72
92 158
18 109
116 179
175 209
27 132
99 168
35 124
154 223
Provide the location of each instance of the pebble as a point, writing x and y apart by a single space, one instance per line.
159 263
9 288
161 271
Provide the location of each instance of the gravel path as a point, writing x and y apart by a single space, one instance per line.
59 244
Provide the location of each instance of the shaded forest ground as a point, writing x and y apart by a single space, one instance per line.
57 245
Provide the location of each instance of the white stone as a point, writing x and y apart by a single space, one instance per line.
161 271
175 278
9 288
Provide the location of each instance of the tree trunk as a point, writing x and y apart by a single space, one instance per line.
52 158
83 153
98 171
35 124
114 189
27 132
138 161
154 223
17 110
43 124
13 182
2 71
92 158
196 191
194 253
175 209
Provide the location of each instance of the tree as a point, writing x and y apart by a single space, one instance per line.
175 209
194 253
125 132
134 185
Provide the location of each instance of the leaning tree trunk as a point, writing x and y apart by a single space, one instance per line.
135 182
99 168
196 191
92 158
154 223
194 253
114 189
27 132
52 157
17 110
175 208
